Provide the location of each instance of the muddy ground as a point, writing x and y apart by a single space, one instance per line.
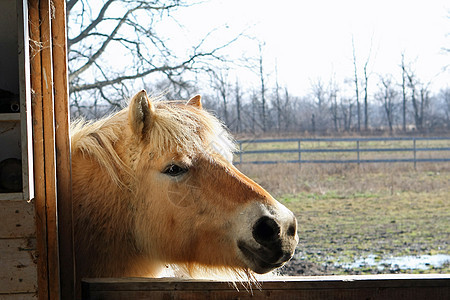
349 213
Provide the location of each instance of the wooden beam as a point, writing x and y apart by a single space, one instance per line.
38 149
381 287
49 149
62 143
54 231
25 96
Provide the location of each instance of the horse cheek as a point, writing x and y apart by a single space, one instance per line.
157 222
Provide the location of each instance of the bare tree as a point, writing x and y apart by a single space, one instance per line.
238 97
320 96
220 83
403 93
319 92
333 95
358 104
263 88
420 97
366 104
288 120
445 96
346 105
254 109
100 30
326 112
366 84
387 96
277 98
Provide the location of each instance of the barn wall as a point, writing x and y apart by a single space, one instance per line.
33 240
17 250
51 148
18 257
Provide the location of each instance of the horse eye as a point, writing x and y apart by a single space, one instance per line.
174 170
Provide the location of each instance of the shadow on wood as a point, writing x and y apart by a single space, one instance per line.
398 287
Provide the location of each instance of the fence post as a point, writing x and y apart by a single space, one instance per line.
299 154
240 152
357 151
414 151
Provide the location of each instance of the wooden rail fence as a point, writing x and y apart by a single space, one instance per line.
375 287
440 145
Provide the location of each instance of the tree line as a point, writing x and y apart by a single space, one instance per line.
393 105
366 102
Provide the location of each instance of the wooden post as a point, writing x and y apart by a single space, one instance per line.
299 154
240 153
357 151
414 153
356 287
63 157
49 148
53 196
44 141
38 149
25 94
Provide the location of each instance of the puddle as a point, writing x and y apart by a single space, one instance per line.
422 262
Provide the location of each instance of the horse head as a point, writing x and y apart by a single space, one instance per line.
154 185
196 207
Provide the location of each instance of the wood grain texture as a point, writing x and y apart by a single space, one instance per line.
326 287
18 263
25 100
17 219
62 145
49 148
21 296
38 148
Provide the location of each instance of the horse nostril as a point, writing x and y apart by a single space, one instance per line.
291 230
266 231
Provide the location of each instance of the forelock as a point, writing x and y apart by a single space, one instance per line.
183 129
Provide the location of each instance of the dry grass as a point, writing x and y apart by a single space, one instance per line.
290 179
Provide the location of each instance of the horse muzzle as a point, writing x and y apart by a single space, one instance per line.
271 237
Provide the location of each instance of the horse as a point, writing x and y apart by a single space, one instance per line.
154 186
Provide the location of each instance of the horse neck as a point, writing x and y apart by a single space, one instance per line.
103 216
101 193
100 167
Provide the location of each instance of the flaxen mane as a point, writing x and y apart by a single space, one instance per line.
175 128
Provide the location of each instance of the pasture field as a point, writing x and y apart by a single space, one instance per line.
377 210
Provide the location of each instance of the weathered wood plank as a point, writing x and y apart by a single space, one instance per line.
318 294
327 287
20 296
18 266
45 13
17 219
62 144
38 148
25 101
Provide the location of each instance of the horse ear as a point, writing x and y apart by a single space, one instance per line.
195 101
140 113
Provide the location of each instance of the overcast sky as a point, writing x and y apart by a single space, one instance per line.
313 39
